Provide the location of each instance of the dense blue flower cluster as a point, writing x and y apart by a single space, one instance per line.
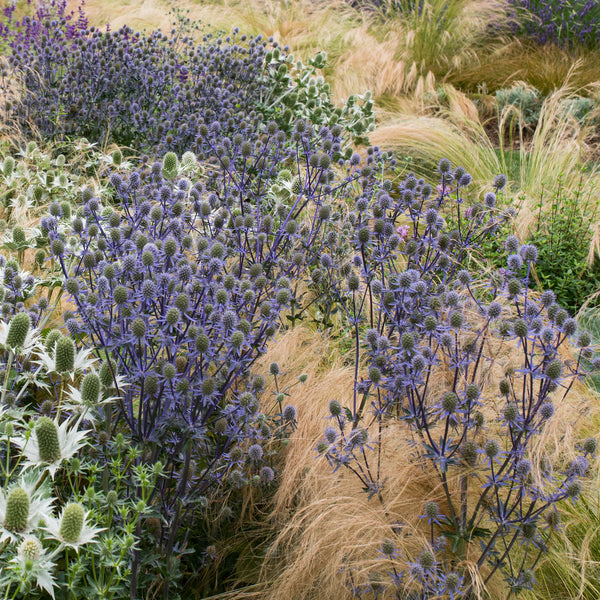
179 286
418 311
153 92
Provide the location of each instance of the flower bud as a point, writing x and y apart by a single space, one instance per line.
18 330
64 355
90 389
17 510
72 523
47 439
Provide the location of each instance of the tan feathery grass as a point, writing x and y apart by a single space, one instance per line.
546 67
555 152
324 522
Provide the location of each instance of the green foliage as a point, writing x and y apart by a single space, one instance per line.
297 91
527 101
563 236
572 567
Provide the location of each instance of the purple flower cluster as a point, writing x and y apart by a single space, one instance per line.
179 286
561 22
147 91
153 92
49 19
419 311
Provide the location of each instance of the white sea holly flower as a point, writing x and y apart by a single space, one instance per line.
48 444
29 343
22 507
32 562
72 528
85 400
81 361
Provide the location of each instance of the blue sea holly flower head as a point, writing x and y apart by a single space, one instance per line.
47 443
22 507
72 529
32 563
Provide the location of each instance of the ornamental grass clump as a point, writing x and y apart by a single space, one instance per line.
471 367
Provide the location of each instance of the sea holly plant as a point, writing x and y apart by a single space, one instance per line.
152 91
178 286
473 368
66 517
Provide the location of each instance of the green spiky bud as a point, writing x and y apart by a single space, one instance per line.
64 355
106 374
335 408
9 165
72 523
151 385
90 389
57 247
472 392
170 246
188 160
449 402
407 341
202 343
170 165
554 369
492 448
47 438
432 510
172 316
182 302
236 339
112 498
40 257
427 559
388 547
18 235
138 328
374 374
514 287
169 371
511 412
247 399
120 295
590 446
456 319
66 209
468 453
221 426
17 510
31 549
117 157
520 328
18 330
208 386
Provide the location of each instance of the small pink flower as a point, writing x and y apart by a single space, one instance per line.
402 231
442 190
468 212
